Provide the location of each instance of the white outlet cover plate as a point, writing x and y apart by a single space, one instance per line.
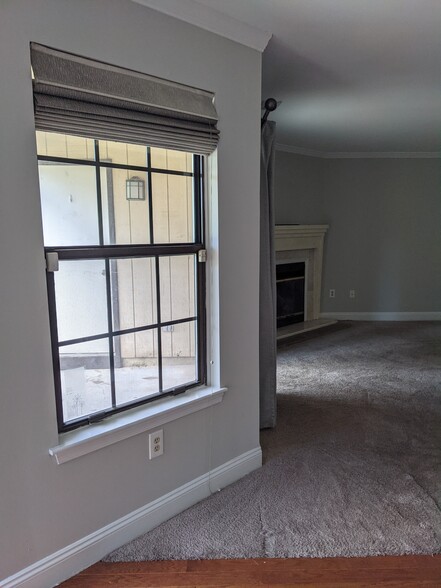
156 443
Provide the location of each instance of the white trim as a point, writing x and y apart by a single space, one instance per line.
133 422
297 232
299 150
383 155
211 20
358 154
70 560
382 316
235 469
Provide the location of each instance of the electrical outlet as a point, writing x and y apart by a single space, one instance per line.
156 444
332 293
351 293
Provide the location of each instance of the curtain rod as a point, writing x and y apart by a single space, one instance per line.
270 105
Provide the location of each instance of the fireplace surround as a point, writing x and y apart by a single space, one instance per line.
304 243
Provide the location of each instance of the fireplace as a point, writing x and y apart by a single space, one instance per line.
303 243
290 282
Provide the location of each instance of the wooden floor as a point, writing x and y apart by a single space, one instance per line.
391 572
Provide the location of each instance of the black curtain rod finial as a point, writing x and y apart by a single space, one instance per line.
270 106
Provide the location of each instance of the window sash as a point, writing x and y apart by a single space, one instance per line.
199 319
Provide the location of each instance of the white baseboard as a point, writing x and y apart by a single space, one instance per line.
70 560
235 469
382 316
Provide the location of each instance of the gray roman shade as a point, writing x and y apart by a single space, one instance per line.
78 96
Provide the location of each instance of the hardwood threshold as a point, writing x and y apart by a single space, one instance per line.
411 571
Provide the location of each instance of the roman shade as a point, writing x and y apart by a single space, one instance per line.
79 96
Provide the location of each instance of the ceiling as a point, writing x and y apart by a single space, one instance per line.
351 75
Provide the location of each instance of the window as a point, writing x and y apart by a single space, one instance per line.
121 165
124 224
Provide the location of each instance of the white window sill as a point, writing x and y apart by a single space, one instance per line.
138 420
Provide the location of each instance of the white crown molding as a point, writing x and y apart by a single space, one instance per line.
77 556
299 150
211 20
359 154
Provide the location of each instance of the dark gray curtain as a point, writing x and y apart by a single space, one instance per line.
267 305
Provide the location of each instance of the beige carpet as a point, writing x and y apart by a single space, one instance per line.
353 467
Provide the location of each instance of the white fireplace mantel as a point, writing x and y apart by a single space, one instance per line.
304 243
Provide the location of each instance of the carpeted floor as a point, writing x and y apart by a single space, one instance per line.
353 467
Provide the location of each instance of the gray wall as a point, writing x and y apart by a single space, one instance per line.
384 239
298 189
45 507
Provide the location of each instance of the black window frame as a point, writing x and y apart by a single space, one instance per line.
128 251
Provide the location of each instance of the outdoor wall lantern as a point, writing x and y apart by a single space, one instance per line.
135 189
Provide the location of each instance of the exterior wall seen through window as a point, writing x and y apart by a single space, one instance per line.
127 301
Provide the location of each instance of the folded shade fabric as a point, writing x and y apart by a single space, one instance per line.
79 96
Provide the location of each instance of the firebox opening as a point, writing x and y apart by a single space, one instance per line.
290 280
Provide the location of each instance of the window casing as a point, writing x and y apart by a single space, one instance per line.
130 278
